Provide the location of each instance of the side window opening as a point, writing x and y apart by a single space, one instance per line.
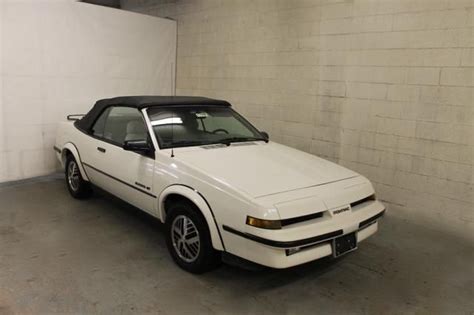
99 126
119 124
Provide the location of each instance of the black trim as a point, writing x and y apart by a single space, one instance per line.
210 209
142 186
237 116
288 244
213 217
371 220
358 202
140 102
57 149
119 180
304 242
150 155
80 159
307 217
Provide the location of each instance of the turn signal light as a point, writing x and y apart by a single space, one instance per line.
264 224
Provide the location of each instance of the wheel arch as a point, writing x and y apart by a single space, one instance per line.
193 196
70 148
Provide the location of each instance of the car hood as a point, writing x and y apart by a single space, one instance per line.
261 169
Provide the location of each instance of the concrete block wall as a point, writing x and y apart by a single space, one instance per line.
57 57
384 87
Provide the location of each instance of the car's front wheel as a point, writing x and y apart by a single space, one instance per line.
188 238
77 186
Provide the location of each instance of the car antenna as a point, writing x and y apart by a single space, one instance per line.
172 134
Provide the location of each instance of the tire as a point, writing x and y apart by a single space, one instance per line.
77 186
192 251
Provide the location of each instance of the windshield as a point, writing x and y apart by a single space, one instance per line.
181 126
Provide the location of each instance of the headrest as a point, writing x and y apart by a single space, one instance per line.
136 126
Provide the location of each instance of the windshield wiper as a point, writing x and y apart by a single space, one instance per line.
184 143
228 141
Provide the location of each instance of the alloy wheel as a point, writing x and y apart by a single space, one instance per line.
73 176
185 237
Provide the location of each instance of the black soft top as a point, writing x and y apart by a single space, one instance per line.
141 102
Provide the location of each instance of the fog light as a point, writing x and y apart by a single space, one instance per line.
291 251
264 224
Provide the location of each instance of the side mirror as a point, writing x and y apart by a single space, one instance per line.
140 146
265 135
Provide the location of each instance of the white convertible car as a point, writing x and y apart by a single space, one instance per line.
219 185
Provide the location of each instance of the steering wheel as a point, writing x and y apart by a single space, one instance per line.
220 130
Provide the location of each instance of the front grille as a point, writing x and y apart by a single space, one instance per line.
358 202
312 216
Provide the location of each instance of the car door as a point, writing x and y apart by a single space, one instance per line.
126 174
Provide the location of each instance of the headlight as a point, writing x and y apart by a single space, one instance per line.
264 224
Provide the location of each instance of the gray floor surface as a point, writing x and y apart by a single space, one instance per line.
60 255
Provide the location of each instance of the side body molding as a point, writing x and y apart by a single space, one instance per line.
73 149
200 202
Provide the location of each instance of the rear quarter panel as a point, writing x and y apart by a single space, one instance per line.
70 139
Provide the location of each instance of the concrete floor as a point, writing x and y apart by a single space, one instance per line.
60 255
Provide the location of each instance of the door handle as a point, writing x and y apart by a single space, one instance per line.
101 149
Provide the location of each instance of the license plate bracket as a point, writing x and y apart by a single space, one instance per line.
344 244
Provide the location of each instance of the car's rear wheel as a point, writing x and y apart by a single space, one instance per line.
188 238
77 186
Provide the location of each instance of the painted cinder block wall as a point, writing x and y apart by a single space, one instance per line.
57 57
384 87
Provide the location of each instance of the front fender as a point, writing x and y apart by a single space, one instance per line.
72 148
199 201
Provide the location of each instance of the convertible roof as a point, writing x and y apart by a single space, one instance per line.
147 101
141 102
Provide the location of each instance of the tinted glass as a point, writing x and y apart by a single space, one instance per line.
120 124
180 126
98 128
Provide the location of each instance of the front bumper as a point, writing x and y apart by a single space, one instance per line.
283 254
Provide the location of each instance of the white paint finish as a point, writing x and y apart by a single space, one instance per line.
264 180
263 169
58 58
368 231
124 165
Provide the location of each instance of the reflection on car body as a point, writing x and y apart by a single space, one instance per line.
219 185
